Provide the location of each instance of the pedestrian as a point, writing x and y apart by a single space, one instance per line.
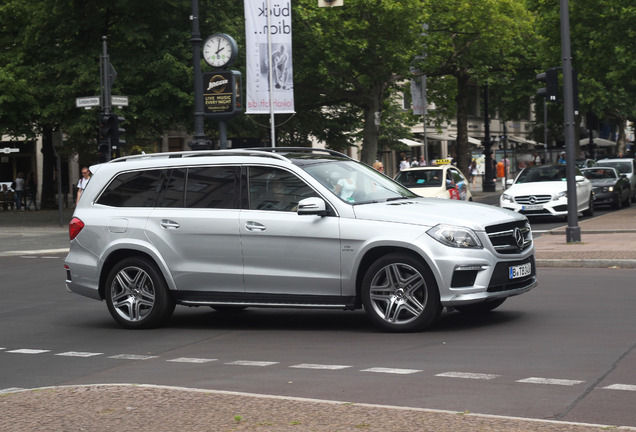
562 158
404 164
81 185
19 191
414 163
536 159
422 161
473 172
31 189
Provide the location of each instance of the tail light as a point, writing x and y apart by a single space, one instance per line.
74 227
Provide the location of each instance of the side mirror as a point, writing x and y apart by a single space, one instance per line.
312 206
509 182
450 185
579 178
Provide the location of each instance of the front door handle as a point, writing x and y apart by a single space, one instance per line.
254 226
168 224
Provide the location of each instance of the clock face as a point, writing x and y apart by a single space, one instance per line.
219 50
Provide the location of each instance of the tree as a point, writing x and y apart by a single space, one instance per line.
482 42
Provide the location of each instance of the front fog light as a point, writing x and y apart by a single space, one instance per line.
454 236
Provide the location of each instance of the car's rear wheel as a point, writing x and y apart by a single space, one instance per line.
627 201
399 293
137 294
479 308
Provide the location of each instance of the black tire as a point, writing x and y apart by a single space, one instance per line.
481 308
617 203
627 202
137 294
399 294
590 209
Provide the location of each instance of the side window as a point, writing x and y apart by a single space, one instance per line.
212 187
132 189
173 193
276 189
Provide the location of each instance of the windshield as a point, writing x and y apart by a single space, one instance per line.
420 178
542 173
356 183
599 173
622 167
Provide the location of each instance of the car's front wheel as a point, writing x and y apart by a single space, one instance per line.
399 293
590 207
137 294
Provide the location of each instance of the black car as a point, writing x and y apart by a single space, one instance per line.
610 187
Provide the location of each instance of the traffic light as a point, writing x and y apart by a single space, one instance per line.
551 80
117 136
105 135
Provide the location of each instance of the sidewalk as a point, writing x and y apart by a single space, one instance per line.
606 241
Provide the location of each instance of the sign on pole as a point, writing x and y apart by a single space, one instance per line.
87 102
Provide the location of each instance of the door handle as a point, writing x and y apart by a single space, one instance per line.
168 224
254 226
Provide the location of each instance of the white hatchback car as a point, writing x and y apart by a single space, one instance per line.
541 190
444 181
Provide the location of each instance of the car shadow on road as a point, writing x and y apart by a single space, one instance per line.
458 321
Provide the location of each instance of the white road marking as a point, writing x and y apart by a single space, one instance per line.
391 370
78 354
28 351
627 387
251 363
319 366
10 390
50 257
191 360
478 376
552 381
132 357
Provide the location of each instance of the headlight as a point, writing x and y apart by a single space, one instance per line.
560 195
509 198
610 189
455 236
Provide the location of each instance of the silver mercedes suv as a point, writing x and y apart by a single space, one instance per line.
286 227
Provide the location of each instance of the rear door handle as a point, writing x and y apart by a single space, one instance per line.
168 224
254 226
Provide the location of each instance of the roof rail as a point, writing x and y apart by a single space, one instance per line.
299 150
195 153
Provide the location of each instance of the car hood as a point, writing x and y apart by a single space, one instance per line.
537 188
434 211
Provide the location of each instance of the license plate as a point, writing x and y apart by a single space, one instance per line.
532 207
520 270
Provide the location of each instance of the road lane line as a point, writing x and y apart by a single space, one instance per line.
391 370
564 382
28 351
319 366
132 357
79 354
251 363
627 387
466 375
191 360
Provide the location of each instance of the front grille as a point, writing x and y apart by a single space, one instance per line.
533 199
504 237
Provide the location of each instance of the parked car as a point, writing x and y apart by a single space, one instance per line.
542 191
444 181
610 186
281 227
585 163
625 166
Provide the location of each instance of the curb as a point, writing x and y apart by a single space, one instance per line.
586 263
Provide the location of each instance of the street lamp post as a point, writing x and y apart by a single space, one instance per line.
199 142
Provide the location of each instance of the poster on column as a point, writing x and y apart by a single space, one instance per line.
257 57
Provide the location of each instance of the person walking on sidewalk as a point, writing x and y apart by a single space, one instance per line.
19 191
81 185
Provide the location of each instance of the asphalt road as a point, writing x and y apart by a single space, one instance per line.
564 351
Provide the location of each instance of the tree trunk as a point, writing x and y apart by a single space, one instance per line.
49 185
463 156
371 131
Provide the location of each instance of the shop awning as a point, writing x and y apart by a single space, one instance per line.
600 142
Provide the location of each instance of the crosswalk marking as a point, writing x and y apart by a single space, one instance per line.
466 375
78 354
391 370
319 366
626 387
28 351
251 363
132 357
191 360
563 382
